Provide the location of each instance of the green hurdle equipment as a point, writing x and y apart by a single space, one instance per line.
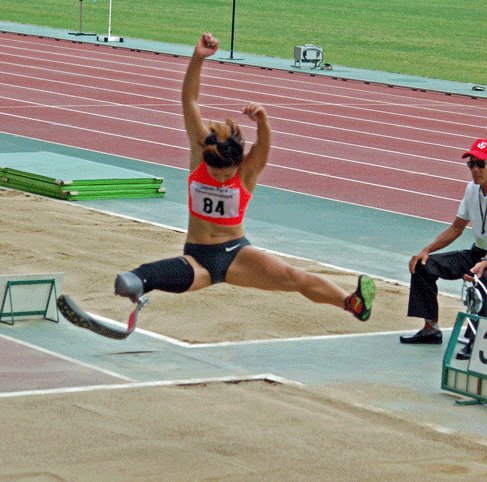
468 377
71 178
29 297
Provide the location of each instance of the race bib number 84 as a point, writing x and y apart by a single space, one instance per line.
214 202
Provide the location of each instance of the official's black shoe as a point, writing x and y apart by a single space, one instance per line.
465 353
426 336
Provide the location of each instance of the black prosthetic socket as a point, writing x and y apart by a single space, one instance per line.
174 275
129 285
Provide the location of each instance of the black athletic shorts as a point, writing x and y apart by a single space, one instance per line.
216 258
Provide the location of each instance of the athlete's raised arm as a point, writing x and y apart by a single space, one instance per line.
256 159
197 131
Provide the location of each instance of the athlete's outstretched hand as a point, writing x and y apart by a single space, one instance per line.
255 112
207 45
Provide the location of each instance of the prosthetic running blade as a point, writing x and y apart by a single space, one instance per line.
78 317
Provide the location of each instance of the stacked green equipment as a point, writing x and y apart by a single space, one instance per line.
72 179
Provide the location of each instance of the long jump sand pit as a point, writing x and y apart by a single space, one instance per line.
246 431
217 431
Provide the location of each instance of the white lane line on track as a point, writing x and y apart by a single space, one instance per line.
355 181
107 57
480 117
287 134
240 102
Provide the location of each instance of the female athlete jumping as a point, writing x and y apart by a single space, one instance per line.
220 185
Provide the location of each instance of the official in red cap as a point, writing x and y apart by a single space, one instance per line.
478 150
427 268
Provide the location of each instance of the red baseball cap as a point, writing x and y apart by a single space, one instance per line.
478 149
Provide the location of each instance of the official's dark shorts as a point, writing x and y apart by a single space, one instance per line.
216 258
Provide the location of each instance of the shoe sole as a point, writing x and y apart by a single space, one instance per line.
367 290
407 342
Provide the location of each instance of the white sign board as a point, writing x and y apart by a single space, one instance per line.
478 360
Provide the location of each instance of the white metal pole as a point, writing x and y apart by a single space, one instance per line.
109 37
110 20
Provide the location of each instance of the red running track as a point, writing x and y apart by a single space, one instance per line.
389 148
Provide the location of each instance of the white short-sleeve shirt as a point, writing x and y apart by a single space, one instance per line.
473 208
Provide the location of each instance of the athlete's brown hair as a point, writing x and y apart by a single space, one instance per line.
224 146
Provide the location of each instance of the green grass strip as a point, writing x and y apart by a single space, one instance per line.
441 39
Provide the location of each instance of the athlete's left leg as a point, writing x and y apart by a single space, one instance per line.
254 268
